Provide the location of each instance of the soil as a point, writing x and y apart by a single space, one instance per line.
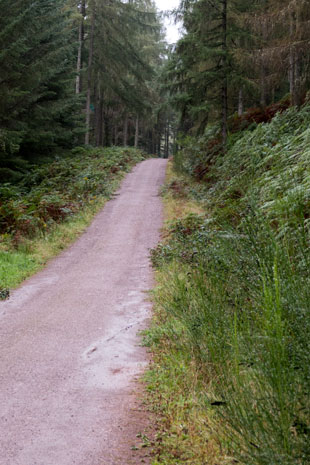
70 353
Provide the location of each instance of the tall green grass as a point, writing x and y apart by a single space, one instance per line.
238 282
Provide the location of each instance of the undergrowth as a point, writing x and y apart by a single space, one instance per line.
52 204
232 335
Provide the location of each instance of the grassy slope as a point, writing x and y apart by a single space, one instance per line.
53 207
232 326
185 432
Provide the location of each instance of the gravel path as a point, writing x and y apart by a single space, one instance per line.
69 350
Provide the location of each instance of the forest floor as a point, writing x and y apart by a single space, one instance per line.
70 353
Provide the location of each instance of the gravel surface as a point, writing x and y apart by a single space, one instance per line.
69 348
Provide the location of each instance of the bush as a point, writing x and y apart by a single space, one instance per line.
50 193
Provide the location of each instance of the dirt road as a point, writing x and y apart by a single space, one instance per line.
69 348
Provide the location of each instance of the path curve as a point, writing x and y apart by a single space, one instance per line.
69 350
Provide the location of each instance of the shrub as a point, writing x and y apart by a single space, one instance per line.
50 193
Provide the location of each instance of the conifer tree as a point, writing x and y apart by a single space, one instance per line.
203 63
37 104
237 54
126 45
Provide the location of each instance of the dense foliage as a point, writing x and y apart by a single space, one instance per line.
52 192
77 72
38 109
47 207
125 49
238 289
237 54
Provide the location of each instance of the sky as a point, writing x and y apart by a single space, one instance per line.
172 32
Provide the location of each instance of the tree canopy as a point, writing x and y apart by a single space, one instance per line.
75 72
237 54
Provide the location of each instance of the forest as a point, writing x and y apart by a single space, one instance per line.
76 73
89 88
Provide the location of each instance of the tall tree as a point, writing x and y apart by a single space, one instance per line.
236 54
79 64
124 42
92 13
38 109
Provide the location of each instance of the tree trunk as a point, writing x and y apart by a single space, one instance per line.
167 135
159 144
292 75
291 72
174 142
106 118
137 132
298 80
165 141
240 102
125 131
89 73
99 117
101 126
263 99
168 138
224 70
263 71
153 139
78 86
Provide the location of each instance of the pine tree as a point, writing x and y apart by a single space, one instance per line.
37 104
126 45
237 54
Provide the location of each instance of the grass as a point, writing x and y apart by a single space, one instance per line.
175 387
231 334
177 201
25 251
31 255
